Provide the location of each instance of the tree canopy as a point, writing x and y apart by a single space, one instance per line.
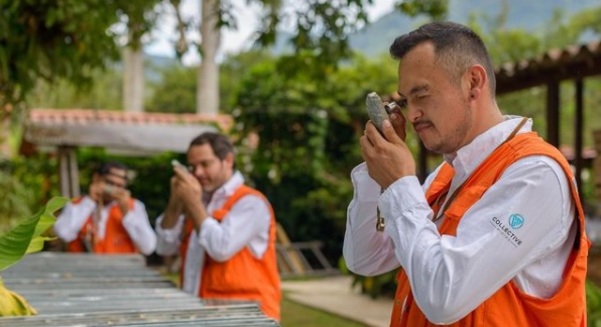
50 40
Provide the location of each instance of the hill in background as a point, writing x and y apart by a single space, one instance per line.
532 15
375 38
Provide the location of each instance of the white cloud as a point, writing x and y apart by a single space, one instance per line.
234 40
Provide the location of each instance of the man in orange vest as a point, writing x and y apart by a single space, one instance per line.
223 229
107 220
495 236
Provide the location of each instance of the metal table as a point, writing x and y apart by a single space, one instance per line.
114 290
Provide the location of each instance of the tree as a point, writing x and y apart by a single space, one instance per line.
52 40
307 131
176 90
321 29
140 17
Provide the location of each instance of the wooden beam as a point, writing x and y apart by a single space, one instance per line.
538 76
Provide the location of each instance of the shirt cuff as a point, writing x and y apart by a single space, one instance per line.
205 229
129 221
87 202
401 195
171 235
366 189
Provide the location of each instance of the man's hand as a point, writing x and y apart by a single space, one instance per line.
96 191
399 123
123 197
187 189
388 158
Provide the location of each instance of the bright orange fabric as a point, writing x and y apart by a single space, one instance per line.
509 306
243 276
116 239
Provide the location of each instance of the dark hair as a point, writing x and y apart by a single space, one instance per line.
220 143
105 168
455 45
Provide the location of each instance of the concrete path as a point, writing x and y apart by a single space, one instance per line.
334 295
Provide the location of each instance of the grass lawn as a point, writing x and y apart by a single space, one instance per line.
298 315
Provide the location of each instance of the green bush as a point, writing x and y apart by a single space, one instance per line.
593 303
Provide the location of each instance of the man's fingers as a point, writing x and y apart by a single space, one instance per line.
181 173
390 133
400 124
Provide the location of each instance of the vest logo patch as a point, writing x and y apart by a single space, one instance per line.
515 221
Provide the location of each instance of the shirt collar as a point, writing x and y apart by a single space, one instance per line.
471 155
231 185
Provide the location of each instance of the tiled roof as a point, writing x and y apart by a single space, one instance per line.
89 116
133 132
576 61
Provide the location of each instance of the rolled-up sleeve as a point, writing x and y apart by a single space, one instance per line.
138 228
72 218
168 240
366 251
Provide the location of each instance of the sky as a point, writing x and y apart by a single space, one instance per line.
162 39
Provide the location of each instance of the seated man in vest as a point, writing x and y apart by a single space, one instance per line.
495 236
223 229
107 220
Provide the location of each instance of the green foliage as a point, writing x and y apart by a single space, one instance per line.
27 183
321 27
176 91
593 302
308 134
50 40
15 201
26 236
436 9
105 93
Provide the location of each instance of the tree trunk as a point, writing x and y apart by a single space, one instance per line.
207 95
133 80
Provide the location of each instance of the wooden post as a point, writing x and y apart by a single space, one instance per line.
68 172
553 113
579 126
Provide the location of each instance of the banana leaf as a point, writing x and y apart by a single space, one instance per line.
26 236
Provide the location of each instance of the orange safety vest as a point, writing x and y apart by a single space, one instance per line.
243 276
116 239
509 306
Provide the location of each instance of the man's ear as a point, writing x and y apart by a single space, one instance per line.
229 160
477 80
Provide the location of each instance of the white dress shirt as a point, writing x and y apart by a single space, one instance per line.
245 225
452 275
75 215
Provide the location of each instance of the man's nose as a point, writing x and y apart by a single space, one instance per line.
198 171
413 113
